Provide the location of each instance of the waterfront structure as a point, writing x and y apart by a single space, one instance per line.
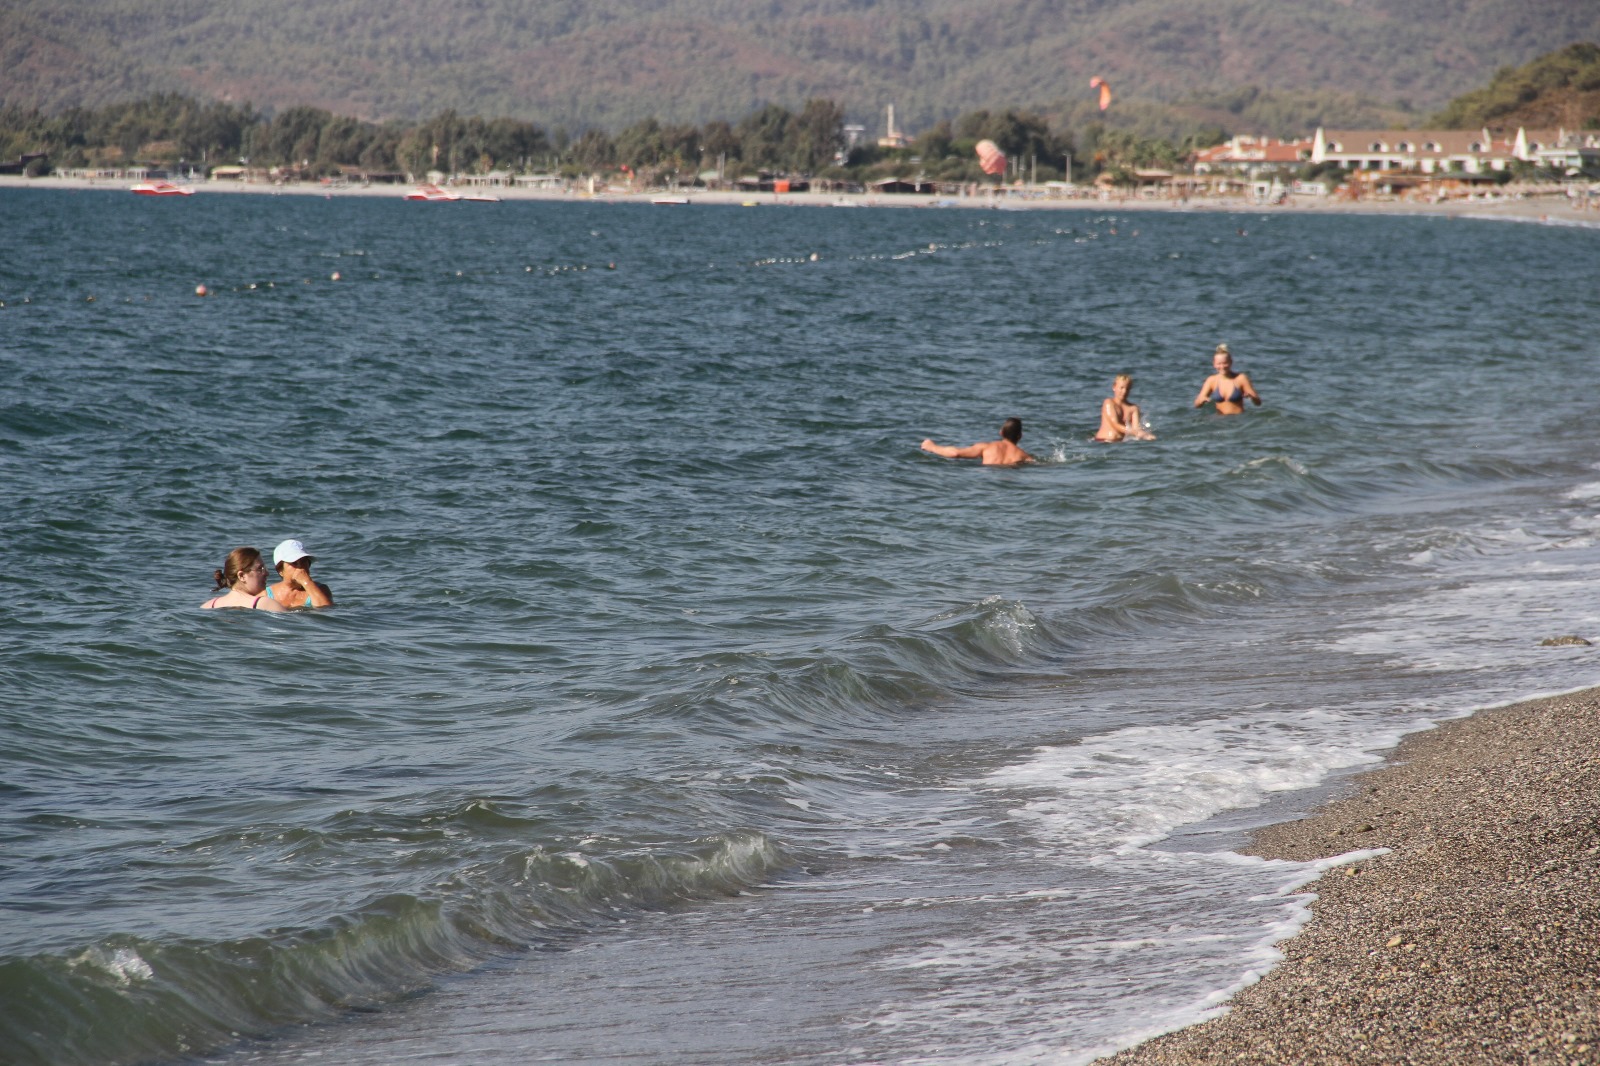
1455 151
1249 155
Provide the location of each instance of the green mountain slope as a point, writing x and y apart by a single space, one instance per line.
1557 90
611 62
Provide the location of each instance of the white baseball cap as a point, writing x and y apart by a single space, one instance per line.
291 551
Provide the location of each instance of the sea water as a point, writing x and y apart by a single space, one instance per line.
676 707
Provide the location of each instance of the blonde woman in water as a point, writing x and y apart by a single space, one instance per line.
1229 387
1119 419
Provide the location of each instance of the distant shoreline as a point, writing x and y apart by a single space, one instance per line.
1551 209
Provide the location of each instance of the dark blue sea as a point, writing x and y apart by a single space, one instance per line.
676 708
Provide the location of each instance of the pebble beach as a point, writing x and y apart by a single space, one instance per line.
1472 940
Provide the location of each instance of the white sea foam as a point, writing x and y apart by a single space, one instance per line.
124 965
1135 786
1075 957
1089 977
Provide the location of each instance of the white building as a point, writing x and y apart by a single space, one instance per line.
1454 151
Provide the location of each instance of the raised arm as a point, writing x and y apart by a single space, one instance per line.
973 451
317 595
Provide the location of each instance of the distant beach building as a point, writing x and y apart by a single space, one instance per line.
1571 150
1455 151
901 186
1253 155
495 179
1424 151
543 181
24 161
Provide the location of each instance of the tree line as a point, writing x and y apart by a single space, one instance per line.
171 129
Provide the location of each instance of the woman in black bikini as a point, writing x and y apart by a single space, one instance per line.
1230 388
245 577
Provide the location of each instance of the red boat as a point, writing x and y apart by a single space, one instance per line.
432 194
160 188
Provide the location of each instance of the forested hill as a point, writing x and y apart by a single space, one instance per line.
1557 90
580 63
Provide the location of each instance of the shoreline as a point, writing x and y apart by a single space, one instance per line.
1549 209
1473 939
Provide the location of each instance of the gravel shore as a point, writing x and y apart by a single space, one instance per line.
1476 939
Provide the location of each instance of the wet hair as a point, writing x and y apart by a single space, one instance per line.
1011 429
238 561
1120 378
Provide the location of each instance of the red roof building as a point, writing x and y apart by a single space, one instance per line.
1253 155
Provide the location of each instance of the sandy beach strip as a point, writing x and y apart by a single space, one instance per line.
1475 939
1552 209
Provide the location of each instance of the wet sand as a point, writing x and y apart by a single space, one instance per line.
1476 939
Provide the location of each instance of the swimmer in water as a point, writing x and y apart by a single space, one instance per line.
245 578
1119 419
1002 452
297 589
1230 387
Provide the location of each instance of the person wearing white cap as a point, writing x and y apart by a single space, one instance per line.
297 589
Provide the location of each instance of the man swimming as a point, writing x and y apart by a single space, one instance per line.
1002 452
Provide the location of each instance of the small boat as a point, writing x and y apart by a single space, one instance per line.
432 194
670 200
160 188
481 198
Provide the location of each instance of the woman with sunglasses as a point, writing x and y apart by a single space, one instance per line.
245 577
